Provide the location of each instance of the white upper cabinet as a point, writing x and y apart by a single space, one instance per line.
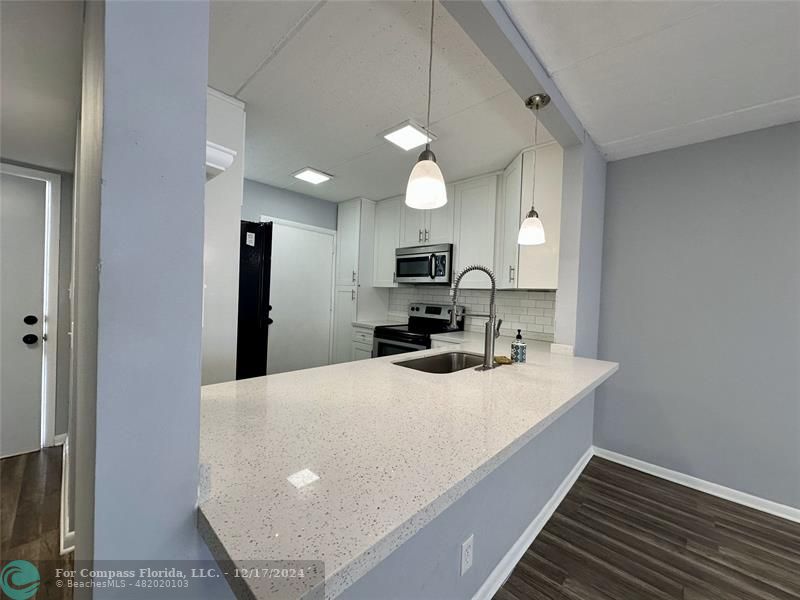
387 239
412 225
426 227
538 265
474 228
530 267
508 209
348 221
439 222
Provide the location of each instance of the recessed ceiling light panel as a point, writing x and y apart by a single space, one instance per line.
312 176
409 135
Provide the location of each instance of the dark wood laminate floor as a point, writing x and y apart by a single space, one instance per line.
30 505
622 534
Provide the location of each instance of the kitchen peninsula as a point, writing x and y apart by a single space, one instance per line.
394 450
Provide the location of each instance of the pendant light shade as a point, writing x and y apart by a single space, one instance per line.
531 232
426 188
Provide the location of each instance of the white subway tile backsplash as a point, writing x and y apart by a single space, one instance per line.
532 312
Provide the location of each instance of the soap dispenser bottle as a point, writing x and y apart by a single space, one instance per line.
519 349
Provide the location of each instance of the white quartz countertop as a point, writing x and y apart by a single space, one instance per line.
373 323
392 447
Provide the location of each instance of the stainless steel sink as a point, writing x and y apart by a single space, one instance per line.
449 362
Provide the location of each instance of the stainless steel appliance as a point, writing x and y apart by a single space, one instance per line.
423 321
424 264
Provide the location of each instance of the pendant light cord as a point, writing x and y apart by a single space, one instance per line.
533 187
430 79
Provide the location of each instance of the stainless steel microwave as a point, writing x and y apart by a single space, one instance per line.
424 264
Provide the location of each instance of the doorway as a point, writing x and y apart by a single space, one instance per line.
30 202
301 296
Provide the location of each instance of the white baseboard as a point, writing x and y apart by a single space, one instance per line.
767 506
513 556
58 440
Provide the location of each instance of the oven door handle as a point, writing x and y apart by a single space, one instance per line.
376 342
432 266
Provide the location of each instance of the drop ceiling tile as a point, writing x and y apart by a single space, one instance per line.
40 60
243 33
566 32
356 69
728 58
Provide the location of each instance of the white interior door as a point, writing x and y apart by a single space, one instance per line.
23 204
301 289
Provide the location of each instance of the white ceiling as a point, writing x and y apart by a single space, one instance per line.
322 80
645 76
40 61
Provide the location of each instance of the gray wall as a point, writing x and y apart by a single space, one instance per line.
700 306
581 248
262 199
497 511
150 285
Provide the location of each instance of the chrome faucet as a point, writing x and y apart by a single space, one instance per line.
492 330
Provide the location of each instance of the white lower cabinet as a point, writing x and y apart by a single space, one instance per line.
361 351
362 342
344 313
474 204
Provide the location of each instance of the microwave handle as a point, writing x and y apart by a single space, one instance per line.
432 266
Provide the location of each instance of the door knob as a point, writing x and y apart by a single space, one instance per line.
30 320
30 339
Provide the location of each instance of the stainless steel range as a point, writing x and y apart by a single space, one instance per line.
423 321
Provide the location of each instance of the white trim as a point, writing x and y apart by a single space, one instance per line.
566 349
66 534
226 98
506 565
768 506
296 225
59 439
50 309
218 159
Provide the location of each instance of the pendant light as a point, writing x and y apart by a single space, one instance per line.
531 232
426 188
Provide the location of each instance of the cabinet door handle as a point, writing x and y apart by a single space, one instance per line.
419 237
510 273
353 295
394 277
354 276
427 235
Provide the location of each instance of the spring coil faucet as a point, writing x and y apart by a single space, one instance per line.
492 329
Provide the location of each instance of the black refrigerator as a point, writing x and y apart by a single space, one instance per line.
255 258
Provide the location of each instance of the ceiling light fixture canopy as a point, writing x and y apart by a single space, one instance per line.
531 232
426 188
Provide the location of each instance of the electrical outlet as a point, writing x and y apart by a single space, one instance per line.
466 554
